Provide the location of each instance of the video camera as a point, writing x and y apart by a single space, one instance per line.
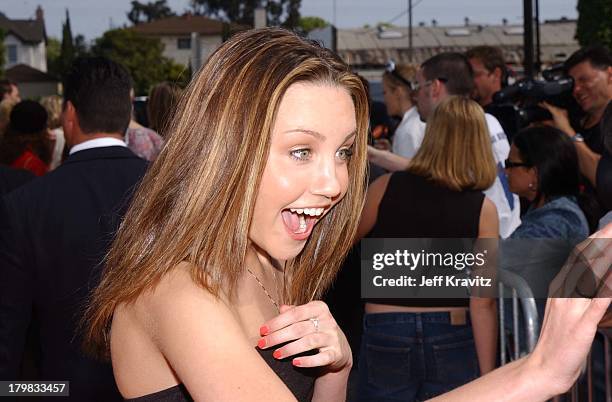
516 106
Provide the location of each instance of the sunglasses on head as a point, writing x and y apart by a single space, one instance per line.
390 68
509 164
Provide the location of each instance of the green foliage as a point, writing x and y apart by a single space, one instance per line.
284 13
147 12
594 22
67 51
307 24
142 56
54 64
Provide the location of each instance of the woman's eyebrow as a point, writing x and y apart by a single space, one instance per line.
317 134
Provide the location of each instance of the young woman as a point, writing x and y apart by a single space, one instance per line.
210 289
440 195
543 168
238 226
399 99
162 102
26 144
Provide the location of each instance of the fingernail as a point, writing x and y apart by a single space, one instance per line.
277 354
261 343
296 362
264 330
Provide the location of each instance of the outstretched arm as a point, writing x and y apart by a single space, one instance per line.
565 340
387 160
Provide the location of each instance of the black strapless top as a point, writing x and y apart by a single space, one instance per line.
300 381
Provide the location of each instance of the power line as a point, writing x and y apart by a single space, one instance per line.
397 17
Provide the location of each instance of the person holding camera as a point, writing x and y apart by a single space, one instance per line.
591 70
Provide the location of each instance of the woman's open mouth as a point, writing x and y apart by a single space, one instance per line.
300 221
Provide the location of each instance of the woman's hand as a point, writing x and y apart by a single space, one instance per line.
570 323
304 328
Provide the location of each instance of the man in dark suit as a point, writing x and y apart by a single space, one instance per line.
11 178
55 231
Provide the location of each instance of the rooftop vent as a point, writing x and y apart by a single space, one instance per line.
458 32
390 35
513 31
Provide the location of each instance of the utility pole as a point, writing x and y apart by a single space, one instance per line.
538 61
528 37
410 58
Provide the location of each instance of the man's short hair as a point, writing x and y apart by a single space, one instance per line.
6 87
453 69
99 90
491 57
598 56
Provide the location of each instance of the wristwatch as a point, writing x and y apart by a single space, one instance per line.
578 138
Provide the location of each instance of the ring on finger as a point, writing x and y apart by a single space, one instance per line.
315 323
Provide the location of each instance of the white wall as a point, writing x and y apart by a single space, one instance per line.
34 55
182 56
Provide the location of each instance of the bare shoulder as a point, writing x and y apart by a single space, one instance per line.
374 196
202 341
489 220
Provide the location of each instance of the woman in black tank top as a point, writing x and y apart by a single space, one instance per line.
416 348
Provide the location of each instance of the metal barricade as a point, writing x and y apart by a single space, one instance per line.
520 291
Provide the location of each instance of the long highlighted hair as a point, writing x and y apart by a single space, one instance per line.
196 202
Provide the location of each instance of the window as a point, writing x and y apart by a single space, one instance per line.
184 43
12 54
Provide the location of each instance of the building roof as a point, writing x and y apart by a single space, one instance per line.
21 73
32 31
372 46
185 25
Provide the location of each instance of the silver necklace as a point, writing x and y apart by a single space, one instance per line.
264 288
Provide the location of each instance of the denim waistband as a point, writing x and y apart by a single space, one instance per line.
407 318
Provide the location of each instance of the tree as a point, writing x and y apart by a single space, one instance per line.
67 53
307 24
594 26
147 12
142 57
56 65
54 62
284 13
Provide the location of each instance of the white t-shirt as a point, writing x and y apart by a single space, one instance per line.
507 203
409 134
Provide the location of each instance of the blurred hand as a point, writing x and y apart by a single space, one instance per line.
307 327
383 144
560 118
570 323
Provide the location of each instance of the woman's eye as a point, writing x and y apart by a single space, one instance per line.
345 153
301 154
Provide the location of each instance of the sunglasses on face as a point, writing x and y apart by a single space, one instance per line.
509 164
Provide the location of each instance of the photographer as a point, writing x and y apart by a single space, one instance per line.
591 70
489 73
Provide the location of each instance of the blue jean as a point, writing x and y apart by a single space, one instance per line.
414 356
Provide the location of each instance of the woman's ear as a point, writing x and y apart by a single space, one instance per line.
533 177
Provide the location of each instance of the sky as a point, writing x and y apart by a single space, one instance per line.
92 17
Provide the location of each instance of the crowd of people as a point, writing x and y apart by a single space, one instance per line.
188 260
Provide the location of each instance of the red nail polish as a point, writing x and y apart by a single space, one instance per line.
264 330
296 362
261 343
277 354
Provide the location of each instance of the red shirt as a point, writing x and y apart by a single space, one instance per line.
29 161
